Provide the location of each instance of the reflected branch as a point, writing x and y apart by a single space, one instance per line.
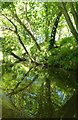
20 90
5 89
23 78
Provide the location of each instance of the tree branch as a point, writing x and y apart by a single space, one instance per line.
10 21
23 45
74 13
19 38
7 28
28 20
20 59
5 89
22 24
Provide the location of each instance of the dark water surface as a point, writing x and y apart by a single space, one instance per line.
39 92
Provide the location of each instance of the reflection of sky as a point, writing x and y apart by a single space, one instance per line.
30 78
35 82
61 95
31 94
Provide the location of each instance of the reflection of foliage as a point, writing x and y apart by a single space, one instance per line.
44 96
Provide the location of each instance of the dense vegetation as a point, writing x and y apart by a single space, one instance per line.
40 58
43 33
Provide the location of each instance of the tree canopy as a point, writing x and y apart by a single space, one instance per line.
33 30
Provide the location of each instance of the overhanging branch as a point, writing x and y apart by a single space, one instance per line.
22 24
19 38
17 57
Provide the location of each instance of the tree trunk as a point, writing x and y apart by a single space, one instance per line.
74 13
70 24
76 5
53 33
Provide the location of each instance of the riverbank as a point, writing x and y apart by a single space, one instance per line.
65 56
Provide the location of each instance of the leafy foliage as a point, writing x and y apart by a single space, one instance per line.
65 56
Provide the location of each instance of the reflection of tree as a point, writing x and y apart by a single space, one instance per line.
49 106
10 110
45 108
41 100
50 102
63 78
23 78
70 108
21 89
16 86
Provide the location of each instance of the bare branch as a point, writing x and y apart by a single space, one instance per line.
10 21
7 28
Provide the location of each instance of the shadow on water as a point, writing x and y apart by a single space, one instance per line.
39 92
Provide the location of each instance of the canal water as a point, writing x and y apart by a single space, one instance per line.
38 92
